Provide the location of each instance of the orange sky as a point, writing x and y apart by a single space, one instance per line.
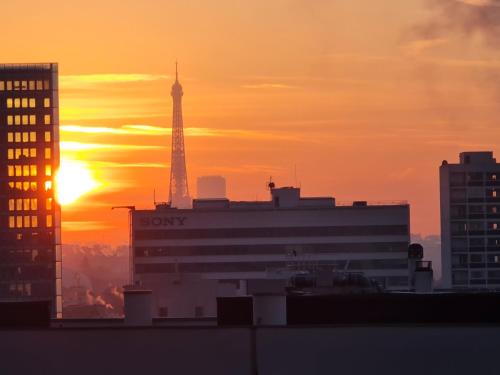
345 92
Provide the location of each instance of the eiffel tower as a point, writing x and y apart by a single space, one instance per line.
179 192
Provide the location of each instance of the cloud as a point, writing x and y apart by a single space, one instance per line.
82 146
110 164
80 226
149 130
84 80
268 86
416 47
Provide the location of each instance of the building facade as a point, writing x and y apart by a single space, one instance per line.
30 246
189 257
470 221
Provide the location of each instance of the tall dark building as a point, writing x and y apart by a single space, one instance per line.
30 230
179 192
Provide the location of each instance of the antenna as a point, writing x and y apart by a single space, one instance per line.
295 175
176 73
154 197
270 184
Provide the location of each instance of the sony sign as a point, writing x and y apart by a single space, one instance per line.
166 221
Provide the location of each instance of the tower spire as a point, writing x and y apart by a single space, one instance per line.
179 192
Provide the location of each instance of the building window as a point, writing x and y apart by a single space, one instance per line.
39 85
9 103
32 120
47 153
48 185
9 85
46 102
31 85
46 85
11 205
10 120
12 222
24 102
48 204
34 221
25 120
49 221
46 119
32 103
32 136
48 170
47 136
2 85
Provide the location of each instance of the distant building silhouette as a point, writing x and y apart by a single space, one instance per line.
179 192
211 187
470 221
30 230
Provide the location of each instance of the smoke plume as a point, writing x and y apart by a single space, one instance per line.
465 18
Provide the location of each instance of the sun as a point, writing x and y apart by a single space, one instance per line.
72 180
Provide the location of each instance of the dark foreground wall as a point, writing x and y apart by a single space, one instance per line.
297 350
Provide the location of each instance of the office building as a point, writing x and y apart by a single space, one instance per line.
470 221
30 250
211 187
187 257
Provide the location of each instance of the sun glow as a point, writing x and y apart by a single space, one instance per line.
73 179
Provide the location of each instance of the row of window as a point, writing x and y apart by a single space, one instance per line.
25 137
348 230
28 185
28 221
28 204
21 153
292 250
26 120
264 266
27 170
24 85
460 178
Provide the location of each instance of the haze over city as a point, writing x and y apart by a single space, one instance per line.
355 99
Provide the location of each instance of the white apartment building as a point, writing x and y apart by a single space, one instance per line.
188 257
470 221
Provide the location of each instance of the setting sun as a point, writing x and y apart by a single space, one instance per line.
73 180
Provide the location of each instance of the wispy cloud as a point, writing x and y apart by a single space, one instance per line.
82 146
110 164
80 226
269 86
82 80
416 47
149 130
